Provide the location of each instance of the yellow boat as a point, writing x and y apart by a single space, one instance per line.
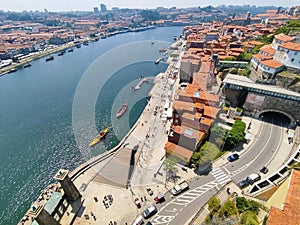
99 137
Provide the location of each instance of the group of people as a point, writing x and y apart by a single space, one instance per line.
88 217
108 200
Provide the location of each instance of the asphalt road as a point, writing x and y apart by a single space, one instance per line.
181 208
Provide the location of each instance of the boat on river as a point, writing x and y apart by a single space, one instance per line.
99 137
27 65
50 58
122 109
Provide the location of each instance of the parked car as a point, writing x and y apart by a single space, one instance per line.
233 157
253 178
149 223
138 221
150 211
159 198
242 184
264 170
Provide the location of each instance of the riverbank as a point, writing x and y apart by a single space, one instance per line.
19 65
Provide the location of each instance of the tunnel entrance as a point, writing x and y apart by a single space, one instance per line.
277 118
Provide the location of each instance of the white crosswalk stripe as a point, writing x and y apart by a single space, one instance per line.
220 176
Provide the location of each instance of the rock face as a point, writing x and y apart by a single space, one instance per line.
289 80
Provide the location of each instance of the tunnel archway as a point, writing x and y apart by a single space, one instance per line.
277 117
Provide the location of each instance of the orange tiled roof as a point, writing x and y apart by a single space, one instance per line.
271 63
290 214
283 37
291 46
206 121
268 49
178 151
261 56
255 43
210 111
180 105
181 130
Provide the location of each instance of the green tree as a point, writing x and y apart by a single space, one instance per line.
228 209
235 135
214 204
241 204
206 153
249 218
151 15
169 167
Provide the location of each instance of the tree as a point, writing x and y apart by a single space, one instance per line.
169 167
150 15
205 154
249 218
214 204
241 204
228 209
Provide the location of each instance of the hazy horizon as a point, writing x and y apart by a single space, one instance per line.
79 5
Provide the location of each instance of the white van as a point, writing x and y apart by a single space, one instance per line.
253 178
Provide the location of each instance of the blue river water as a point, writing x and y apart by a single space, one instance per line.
36 135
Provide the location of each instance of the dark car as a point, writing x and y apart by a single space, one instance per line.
233 157
242 184
149 223
264 170
150 211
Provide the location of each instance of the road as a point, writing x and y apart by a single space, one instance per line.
180 209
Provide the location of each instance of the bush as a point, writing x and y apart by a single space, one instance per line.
249 218
243 205
234 71
228 209
214 204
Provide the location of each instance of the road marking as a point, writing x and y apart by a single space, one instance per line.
220 176
182 200
174 210
162 219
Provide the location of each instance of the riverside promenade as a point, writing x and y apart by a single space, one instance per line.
124 172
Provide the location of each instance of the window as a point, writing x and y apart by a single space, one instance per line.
292 60
296 53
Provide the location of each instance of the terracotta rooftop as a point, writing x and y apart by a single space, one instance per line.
189 132
268 49
284 38
180 105
291 46
210 111
206 121
261 56
255 43
290 214
178 151
271 63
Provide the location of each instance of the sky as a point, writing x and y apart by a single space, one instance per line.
87 5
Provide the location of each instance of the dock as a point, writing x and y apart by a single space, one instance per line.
139 84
